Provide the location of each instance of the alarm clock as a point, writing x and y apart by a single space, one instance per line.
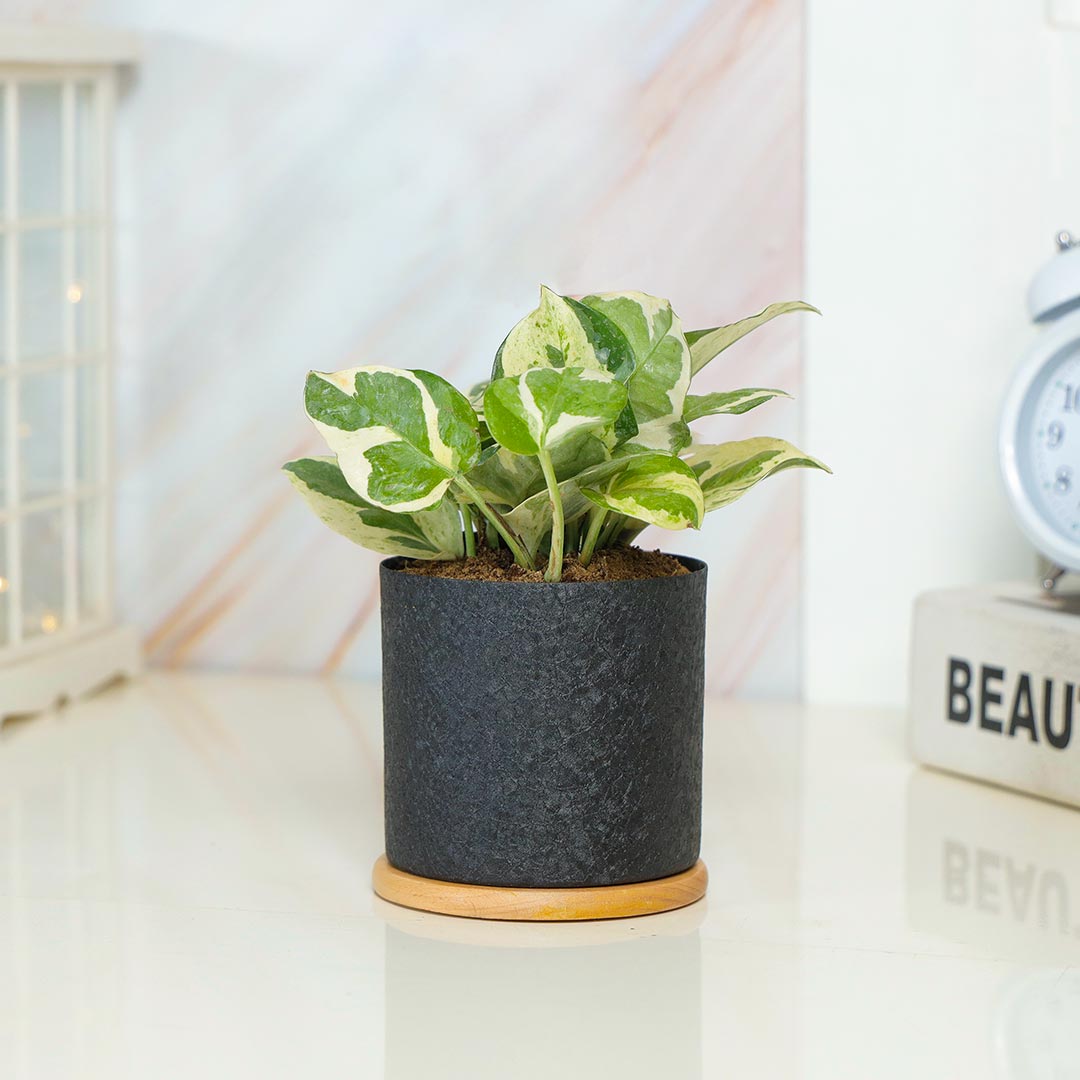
1039 441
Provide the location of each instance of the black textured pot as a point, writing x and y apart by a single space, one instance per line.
543 735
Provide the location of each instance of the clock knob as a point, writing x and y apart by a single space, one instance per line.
1055 289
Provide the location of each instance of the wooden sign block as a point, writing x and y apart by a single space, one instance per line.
995 678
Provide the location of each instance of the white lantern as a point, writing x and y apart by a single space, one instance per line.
58 637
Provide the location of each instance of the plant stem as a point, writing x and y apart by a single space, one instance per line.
491 536
521 556
470 534
572 537
596 519
611 528
555 560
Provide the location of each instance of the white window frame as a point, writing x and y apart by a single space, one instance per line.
89 649
12 229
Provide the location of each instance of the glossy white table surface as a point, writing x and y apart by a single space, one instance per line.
184 869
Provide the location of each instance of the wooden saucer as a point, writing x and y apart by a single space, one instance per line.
539 905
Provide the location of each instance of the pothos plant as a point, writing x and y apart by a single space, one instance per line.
579 440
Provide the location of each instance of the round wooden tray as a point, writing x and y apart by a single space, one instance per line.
539 905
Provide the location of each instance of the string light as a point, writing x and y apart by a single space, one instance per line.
4 585
49 623
74 292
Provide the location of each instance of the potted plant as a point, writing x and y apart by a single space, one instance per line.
543 679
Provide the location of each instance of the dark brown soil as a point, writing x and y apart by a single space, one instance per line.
610 564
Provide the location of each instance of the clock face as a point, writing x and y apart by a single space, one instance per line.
1040 442
1048 443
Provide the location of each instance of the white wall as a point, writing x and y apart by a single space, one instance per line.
942 157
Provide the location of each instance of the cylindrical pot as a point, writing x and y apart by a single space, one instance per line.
543 735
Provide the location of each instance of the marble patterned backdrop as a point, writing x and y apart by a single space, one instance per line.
333 182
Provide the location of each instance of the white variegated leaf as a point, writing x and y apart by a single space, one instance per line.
657 489
706 345
531 519
552 336
476 396
506 479
534 412
427 534
727 401
400 437
661 365
728 470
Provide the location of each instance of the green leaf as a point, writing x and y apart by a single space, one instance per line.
532 519
661 375
400 436
476 394
731 401
614 353
728 470
506 479
552 336
610 345
429 534
539 409
706 345
658 489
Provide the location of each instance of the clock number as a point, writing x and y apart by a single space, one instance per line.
1055 433
1072 399
1063 480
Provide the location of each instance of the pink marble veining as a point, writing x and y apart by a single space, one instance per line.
319 185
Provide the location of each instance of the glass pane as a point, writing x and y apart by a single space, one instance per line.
43 573
40 189
84 292
3 297
5 587
3 152
41 422
3 442
84 156
90 529
88 423
41 294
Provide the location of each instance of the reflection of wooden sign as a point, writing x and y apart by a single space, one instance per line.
998 874
995 680
993 868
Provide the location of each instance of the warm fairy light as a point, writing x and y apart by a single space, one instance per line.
74 292
24 430
3 584
49 623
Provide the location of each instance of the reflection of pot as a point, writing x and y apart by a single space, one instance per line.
543 735
499 1012
1037 1026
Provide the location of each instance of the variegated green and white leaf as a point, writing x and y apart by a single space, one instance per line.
552 336
531 519
533 412
658 489
506 479
661 373
400 436
476 395
427 534
706 345
610 345
728 470
728 401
